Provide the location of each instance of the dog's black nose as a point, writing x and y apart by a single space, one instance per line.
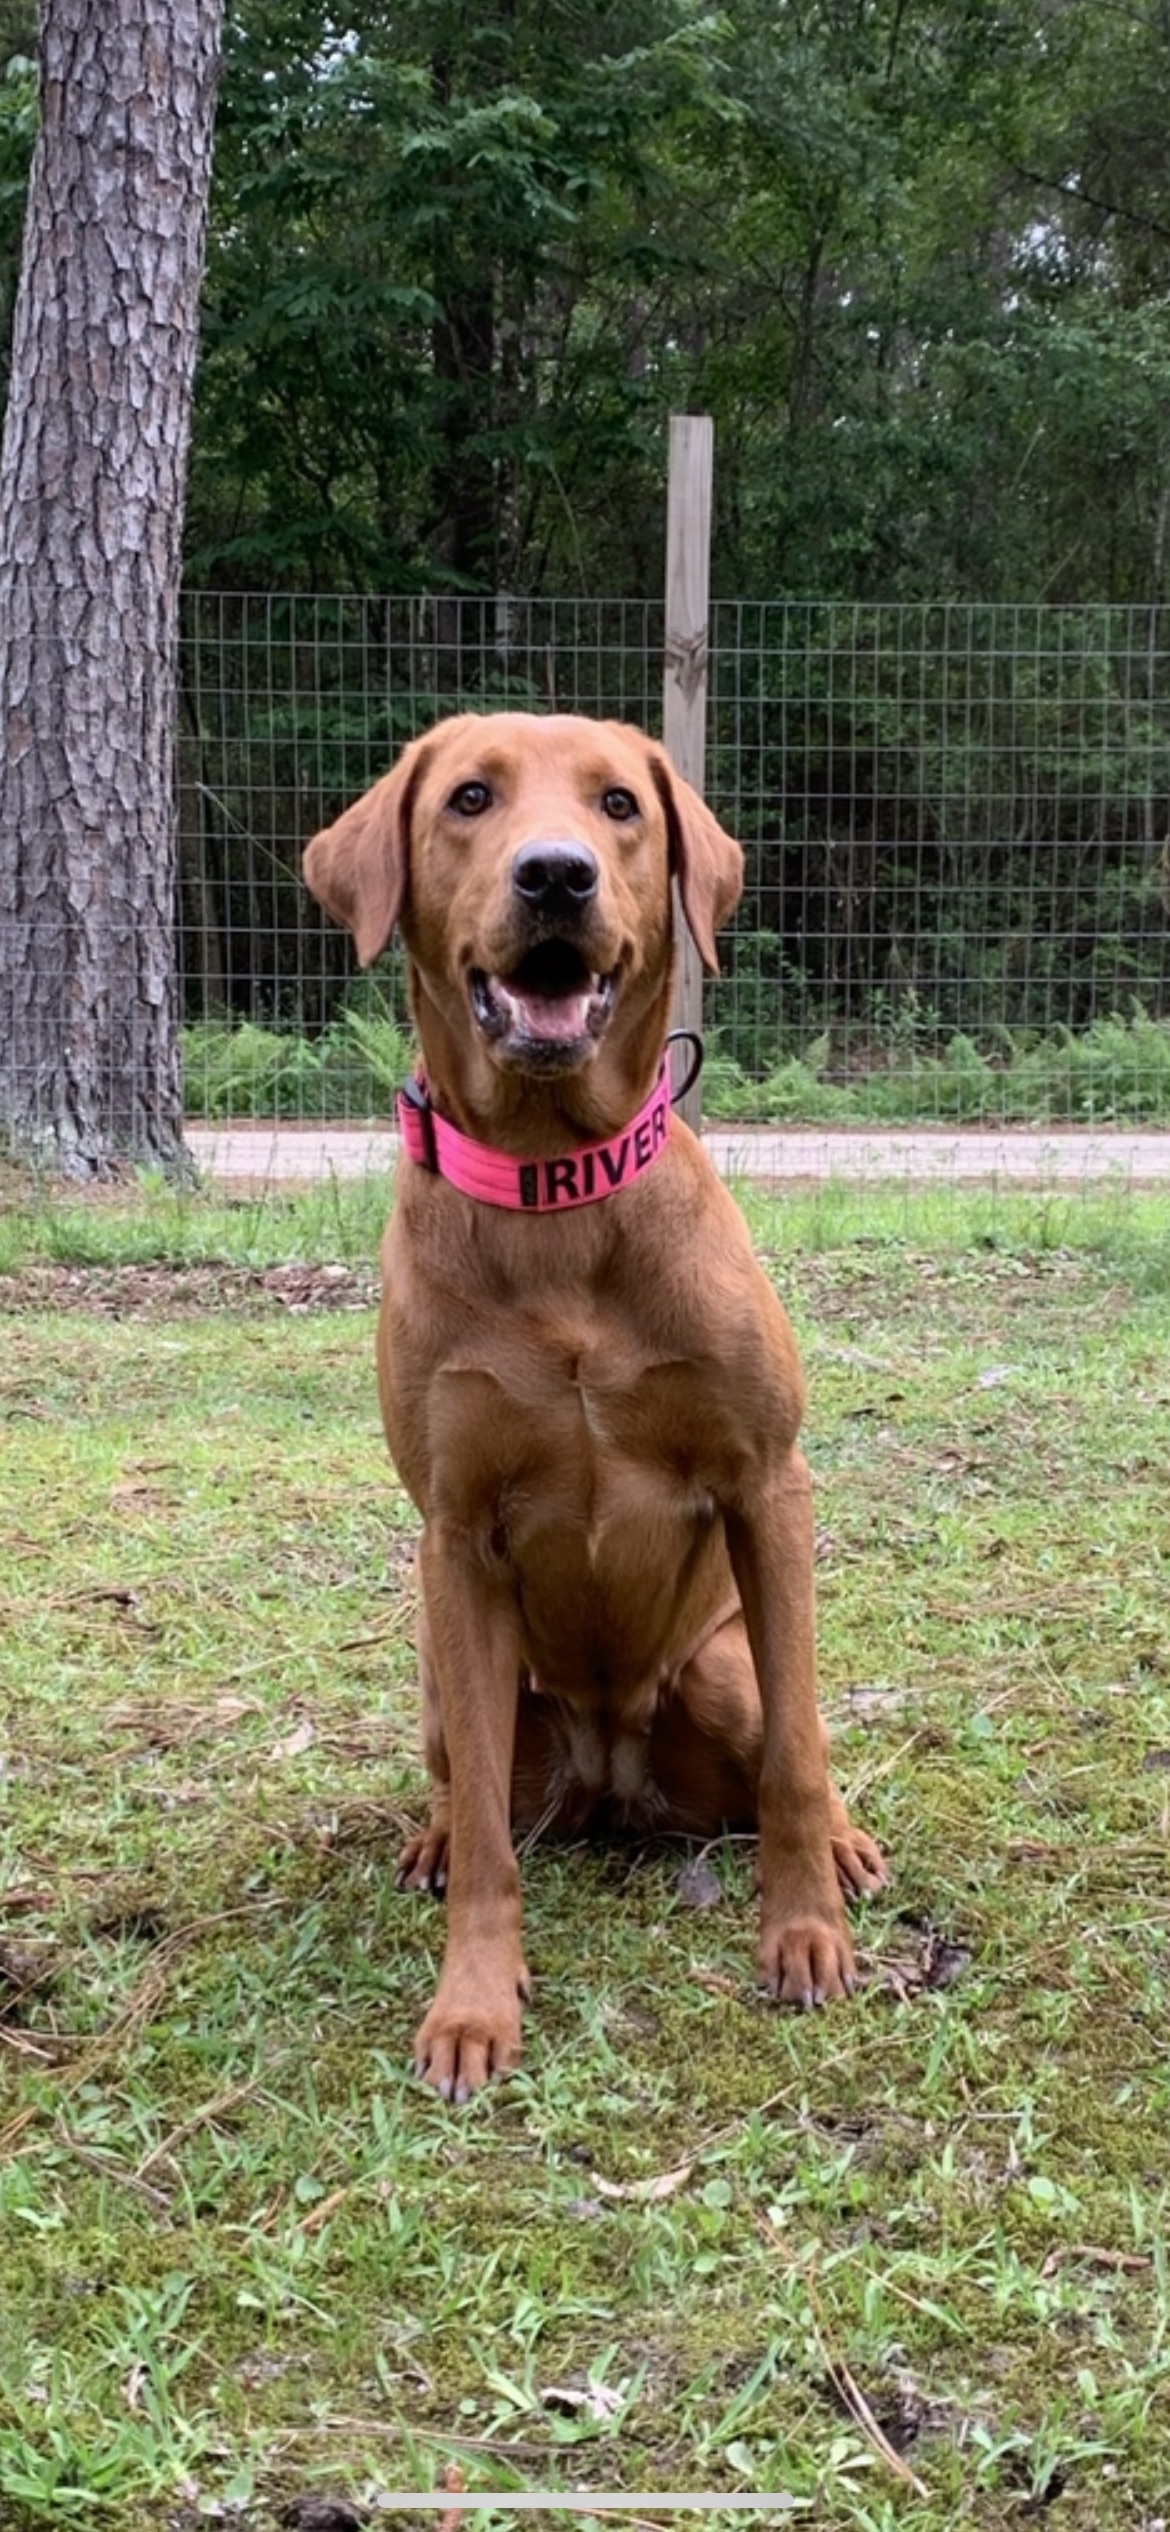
555 878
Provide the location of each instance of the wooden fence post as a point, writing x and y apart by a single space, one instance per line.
688 578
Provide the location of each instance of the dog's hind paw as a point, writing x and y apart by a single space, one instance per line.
423 1863
861 1866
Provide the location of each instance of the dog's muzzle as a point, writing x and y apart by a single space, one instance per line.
546 1012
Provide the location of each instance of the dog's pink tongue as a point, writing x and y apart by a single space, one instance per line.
559 1016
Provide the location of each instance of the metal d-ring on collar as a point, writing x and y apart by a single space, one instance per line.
691 1038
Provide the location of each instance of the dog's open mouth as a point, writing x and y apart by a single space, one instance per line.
551 1006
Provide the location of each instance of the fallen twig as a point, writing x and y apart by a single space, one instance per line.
849 2390
108 2167
150 1988
204 2117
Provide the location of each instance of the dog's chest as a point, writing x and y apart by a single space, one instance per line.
584 1478
574 1423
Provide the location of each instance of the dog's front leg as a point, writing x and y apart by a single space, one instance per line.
805 1953
473 2027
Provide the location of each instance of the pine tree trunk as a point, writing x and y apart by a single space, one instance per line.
92 481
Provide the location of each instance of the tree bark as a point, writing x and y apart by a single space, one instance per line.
92 483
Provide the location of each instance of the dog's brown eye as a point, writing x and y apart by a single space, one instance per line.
471 799
619 804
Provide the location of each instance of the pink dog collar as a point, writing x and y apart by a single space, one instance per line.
536 1186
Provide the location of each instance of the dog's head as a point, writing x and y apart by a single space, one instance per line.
528 860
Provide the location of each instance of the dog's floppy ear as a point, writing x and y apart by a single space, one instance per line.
359 868
706 861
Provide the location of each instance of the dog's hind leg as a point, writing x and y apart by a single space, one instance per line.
706 1751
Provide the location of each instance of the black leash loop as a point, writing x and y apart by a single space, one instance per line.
691 1038
418 1097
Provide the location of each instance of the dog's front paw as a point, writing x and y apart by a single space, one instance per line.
806 1961
471 2033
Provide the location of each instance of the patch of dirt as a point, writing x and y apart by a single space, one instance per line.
318 2513
184 1292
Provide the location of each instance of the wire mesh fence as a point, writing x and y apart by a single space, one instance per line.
956 821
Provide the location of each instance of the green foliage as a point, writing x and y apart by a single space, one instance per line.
403 366
914 262
353 1070
463 265
1116 1072
18 130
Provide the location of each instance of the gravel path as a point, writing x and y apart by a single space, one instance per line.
261 1155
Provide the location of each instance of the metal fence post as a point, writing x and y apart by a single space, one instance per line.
688 576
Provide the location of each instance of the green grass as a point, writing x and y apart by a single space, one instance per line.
337 1222
245 2257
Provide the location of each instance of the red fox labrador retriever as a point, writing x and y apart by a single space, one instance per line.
589 1386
